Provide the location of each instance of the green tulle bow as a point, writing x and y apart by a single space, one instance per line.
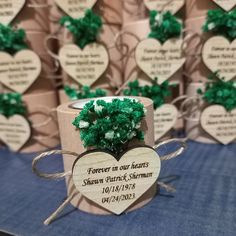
158 93
84 92
85 30
222 23
220 92
12 104
164 26
110 125
12 40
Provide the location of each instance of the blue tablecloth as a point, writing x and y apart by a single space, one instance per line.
204 204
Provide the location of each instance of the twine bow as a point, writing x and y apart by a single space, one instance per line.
57 176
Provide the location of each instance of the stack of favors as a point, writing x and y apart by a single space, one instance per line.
210 71
179 54
28 97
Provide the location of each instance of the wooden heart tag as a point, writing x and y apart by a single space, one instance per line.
165 5
9 10
161 61
14 131
20 71
227 5
116 185
219 123
220 55
77 8
84 66
165 118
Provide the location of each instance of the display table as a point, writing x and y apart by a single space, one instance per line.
204 204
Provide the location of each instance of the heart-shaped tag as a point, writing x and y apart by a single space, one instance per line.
9 10
227 5
166 5
19 72
165 117
14 131
219 123
159 61
75 8
116 185
84 66
220 55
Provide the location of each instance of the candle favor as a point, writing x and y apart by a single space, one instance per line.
103 20
111 165
165 114
155 51
213 119
15 128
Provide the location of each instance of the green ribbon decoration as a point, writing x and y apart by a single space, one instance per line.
220 92
83 93
12 104
85 30
222 23
158 93
12 40
110 125
164 26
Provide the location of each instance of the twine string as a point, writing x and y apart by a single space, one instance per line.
46 45
51 118
30 5
43 156
193 104
175 101
54 215
174 154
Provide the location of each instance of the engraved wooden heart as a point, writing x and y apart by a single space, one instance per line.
9 10
14 131
20 71
84 66
219 123
227 5
161 61
77 8
116 185
166 5
220 55
165 117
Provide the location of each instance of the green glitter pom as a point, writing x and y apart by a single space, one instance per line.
12 104
219 92
158 93
164 26
110 126
85 30
222 23
85 92
12 40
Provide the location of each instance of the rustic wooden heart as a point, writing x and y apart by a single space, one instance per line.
116 185
219 123
77 8
220 55
19 72
84 66
14 131
166 5
227 5
9 10
160 61
165 118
